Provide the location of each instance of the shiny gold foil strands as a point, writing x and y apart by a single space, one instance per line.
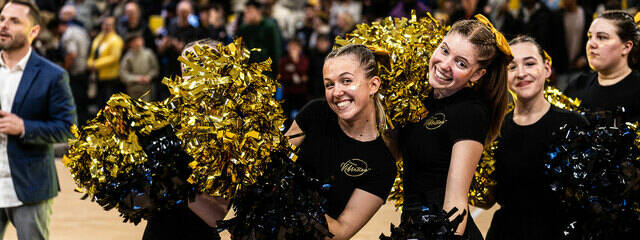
226 116
483 183
558 99
397 190
634 127
409 44
108 145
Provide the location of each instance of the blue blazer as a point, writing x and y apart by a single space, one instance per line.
45 103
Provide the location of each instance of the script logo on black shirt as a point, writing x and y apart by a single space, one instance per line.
354 167
435 121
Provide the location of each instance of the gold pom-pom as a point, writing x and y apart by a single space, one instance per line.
397 191
108 144
227 117
408 43
483 183
558 99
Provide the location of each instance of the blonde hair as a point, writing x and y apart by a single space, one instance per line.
368 63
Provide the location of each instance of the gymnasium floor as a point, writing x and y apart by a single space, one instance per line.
76 219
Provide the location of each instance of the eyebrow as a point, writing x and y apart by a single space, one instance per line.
341 74
530 57
11 18
461 57
596 33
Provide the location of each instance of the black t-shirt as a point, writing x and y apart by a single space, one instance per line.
520 159
328 154
529 209
598 98
178 223
426 146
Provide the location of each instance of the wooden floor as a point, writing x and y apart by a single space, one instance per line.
75 219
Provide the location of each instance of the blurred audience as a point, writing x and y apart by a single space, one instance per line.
275 26
138 67
258 31
293 69
132 23
75 43
104 60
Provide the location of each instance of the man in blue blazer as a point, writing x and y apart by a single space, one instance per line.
37 111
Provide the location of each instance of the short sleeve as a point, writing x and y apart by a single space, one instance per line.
383 172
577 85
379 182
313 115
470 122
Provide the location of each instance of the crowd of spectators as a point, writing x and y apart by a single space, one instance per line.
111 46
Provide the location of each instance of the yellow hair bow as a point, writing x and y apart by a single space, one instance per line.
637 18
501 41
547 57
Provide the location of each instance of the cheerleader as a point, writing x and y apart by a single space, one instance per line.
468 73
613 53
528 208
340 143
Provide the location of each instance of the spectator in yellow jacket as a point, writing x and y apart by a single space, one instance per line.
104 59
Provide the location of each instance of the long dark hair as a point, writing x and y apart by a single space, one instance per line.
492 87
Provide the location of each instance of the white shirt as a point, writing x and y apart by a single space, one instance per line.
9 83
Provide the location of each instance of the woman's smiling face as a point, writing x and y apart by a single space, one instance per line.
453 65
528 71
347 90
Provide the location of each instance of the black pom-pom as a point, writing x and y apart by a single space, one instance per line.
595 172
284 203
158 184
427 223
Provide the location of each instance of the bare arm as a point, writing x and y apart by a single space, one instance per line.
465 155
361 207
292 132
209 209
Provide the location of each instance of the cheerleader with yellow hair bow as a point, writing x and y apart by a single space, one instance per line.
468 74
